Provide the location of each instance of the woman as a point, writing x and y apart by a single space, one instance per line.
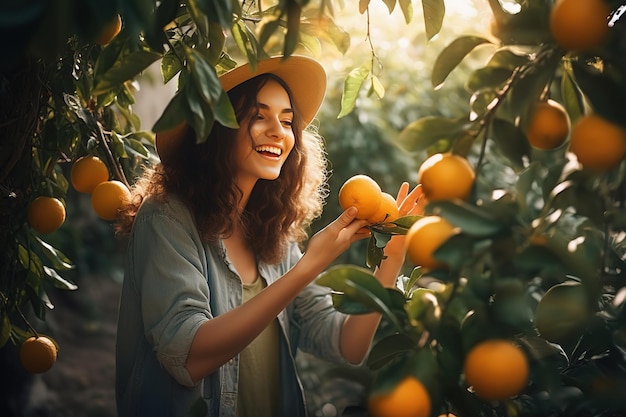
217 295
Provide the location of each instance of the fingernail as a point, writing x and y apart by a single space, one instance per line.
352 211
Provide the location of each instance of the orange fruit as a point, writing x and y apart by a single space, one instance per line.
598 144
580 25
424 237
168 141
496 369
87 172
446 176
362 192
46 214
38 354
108 197
407 399
549 125
110 31
563 313
387 211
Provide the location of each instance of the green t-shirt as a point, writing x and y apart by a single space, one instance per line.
258 368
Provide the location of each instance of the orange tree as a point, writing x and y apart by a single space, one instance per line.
536 219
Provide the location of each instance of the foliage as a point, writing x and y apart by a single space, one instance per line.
534 219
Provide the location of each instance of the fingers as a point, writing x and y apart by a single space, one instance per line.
414 202
347 216
402 193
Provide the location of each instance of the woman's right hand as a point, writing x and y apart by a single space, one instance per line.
330 242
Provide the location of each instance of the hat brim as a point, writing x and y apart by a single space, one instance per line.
305 77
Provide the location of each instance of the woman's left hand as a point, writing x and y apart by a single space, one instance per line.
409 204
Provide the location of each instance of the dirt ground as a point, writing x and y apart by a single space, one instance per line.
81 383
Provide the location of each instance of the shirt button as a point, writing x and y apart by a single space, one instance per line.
231 361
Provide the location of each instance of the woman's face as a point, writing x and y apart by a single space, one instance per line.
261 151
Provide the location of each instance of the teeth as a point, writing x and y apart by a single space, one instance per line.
271 149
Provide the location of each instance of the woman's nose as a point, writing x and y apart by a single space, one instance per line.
276 129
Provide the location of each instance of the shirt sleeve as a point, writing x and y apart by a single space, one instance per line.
169 272
319 323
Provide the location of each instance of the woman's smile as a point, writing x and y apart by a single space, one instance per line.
263 148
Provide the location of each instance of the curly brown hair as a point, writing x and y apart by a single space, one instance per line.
202 174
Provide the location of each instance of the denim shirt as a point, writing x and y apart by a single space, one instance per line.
173 283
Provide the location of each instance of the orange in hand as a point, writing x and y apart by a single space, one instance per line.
362 192
387 211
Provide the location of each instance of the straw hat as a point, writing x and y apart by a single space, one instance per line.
305 77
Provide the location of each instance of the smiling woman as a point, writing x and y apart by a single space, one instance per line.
216 278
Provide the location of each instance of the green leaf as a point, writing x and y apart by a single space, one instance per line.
434 11
351 87
360 285
294 10
240 36
199 18
170 66
136 148
363 5
487 78
407 10
423 309
527 89
424 132
268 28
323 27
57 280
452 55
224 112
391 4
388 349
220 11
377 87
217 40
126 69
204 77
118 146
31 262
511 142
200 112
573 99
472 220
338 277
5 328
375 252
58 259
173 114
